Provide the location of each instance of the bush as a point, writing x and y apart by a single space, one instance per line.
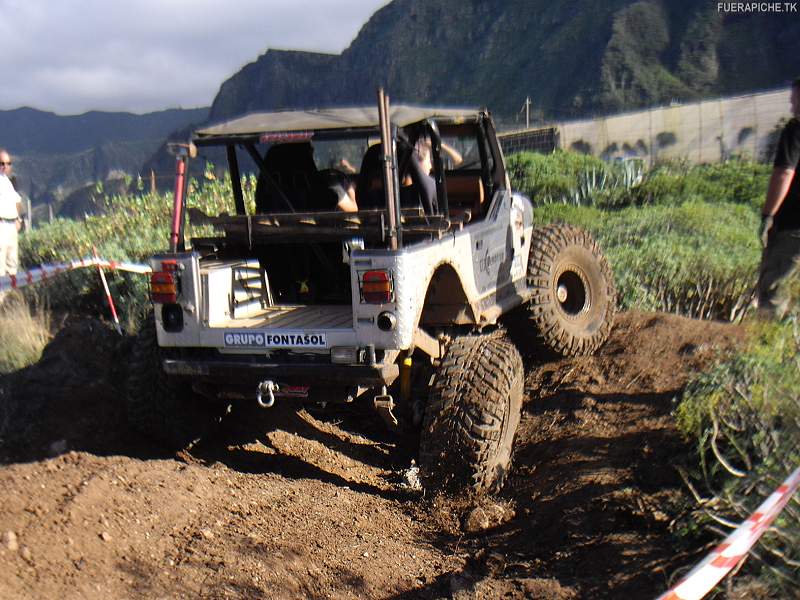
572 178
579 179
24 332
745 417
734 181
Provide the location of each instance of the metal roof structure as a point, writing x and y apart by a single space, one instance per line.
263 123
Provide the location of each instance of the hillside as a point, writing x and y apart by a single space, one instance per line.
570 57
29 131
57 155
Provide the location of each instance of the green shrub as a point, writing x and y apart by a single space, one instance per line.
24 331
580 179
744 415
572 178
734 181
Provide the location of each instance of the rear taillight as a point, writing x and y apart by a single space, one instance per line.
376 287
163 287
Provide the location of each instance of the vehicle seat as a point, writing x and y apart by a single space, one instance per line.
370 170
465 192
291 167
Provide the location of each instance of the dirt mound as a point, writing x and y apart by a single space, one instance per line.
284 504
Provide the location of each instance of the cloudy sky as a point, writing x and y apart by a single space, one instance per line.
70 56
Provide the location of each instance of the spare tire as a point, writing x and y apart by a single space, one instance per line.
574 300
472 415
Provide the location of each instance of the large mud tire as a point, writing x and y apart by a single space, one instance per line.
158 407
472 415
574 299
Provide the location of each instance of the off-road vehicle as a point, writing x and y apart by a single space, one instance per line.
396 305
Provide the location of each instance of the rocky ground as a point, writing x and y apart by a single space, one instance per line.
304 504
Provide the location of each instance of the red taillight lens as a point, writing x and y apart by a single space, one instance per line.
376 287
163 287
169 266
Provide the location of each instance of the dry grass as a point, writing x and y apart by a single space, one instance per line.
25 329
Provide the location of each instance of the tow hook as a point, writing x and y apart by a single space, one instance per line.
269 388
384 403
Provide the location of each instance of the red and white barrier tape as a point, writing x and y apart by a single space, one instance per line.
109 299
710 571
45 272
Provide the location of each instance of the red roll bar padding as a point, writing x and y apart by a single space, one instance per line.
177 208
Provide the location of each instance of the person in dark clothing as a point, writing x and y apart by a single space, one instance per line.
285 182
780 219
334 190
420 169
290 182
417 186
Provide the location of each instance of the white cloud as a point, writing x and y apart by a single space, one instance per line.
70 56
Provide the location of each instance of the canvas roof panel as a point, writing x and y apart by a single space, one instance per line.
334 118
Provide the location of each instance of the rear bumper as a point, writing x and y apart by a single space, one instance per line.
244 373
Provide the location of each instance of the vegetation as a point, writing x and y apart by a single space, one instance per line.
681 238
24 332
584 180
744 416
697 259
573 178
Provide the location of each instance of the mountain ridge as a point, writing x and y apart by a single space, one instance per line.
572 57
28 130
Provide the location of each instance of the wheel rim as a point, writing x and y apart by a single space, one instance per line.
572 291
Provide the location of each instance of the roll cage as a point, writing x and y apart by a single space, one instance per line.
255 135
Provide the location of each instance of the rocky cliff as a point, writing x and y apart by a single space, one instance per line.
571 57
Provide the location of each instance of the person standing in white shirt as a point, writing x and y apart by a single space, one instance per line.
10 208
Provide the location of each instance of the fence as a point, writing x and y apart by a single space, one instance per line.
532 140
703 132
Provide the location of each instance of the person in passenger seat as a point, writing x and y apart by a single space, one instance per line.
417 187
335 191
419 174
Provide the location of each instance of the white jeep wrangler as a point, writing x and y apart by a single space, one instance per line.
394 300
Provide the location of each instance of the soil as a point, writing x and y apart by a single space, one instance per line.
288 503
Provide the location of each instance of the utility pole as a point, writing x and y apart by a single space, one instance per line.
528 112
526 106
